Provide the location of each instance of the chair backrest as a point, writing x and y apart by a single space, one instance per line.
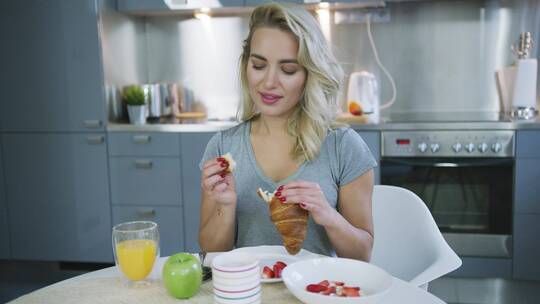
408 243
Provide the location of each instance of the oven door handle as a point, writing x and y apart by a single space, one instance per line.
450 163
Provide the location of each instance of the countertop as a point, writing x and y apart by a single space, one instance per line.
383 125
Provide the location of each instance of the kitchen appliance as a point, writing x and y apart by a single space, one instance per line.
364 91
169 99
516 84
117 108
465 177
152 95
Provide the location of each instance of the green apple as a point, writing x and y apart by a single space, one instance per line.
182 275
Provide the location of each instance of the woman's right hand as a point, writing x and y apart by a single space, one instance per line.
217 184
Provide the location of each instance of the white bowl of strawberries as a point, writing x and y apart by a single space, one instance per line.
336 281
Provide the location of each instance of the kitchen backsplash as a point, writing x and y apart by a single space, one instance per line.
442 54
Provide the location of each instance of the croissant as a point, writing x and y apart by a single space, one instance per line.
289 219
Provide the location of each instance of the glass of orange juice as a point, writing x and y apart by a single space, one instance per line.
136 247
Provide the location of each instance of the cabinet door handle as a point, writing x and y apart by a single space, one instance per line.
146 212
143 164
92 123
95 139
141 139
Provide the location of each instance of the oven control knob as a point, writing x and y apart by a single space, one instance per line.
469 147
422 147
483 147
435 147
456 147
496 147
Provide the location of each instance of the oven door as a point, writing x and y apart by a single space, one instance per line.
470 199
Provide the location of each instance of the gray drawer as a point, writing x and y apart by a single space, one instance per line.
145 181
141 143
528 144
169 220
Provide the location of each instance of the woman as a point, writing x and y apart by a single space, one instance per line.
288 141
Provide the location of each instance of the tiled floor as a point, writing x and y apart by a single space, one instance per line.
485 291
18 278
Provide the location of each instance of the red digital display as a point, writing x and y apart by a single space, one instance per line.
401 141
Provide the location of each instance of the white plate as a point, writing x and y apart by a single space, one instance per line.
374 282
269 255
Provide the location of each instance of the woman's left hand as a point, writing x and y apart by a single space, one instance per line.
311 198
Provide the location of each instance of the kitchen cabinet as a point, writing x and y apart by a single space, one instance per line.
373 141
58 196
192 146
527 205
4 232
526 246
257 2
528 144
145 6
527 192
144 144
145 181
169 221
52 78
145 172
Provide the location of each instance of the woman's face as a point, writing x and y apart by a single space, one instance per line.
275 78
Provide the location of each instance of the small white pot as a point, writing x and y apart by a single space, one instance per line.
137 114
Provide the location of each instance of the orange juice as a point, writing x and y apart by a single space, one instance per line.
136 258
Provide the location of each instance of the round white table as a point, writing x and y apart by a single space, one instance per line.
107 286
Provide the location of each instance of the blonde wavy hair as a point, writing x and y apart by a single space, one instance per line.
315 114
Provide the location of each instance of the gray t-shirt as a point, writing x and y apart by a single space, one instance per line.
343 157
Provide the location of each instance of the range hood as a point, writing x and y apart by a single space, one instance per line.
181 6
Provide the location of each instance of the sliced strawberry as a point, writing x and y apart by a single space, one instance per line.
351 291
338 283
267 273
281 264
328 291
315 288
277 271
324 283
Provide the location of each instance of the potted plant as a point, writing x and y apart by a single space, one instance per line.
134 97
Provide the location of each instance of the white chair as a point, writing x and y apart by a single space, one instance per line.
408 243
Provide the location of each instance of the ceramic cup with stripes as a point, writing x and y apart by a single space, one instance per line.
236 278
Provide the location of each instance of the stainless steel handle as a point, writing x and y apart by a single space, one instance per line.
450 163
141 139
95 139
446 165
92 123
143 164
146 212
